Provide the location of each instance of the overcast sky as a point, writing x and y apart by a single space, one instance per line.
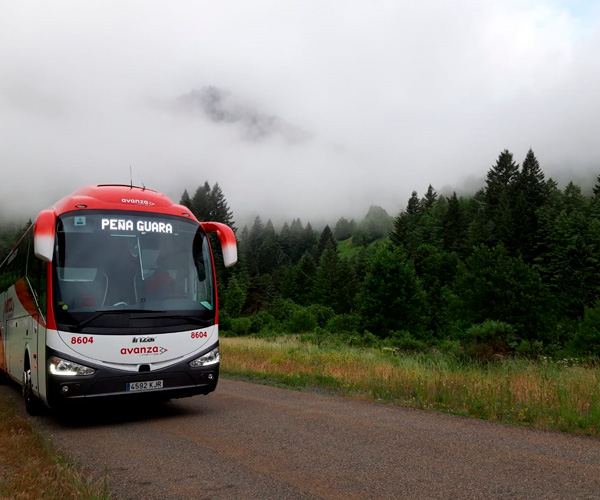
296 108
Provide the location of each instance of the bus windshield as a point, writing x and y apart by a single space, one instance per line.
117 270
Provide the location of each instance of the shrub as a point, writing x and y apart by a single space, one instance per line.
224 321
364 339
319 337
322 314
587 338
302 320
263 321
342 323
530 348
391 296
284 309
453 348
241 326
405 341
490 339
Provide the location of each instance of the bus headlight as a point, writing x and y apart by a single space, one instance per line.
210 358
60 366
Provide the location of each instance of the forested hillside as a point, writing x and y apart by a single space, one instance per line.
514 268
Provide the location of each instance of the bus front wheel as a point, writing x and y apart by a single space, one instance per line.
32 404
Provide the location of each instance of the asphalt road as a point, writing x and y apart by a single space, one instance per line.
249 441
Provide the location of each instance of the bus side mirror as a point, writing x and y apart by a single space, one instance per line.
227 239
43 235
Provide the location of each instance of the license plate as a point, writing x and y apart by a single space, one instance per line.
144 386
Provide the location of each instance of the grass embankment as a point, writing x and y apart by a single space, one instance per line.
30 469
552 395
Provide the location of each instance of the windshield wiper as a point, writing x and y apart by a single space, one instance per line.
190 319
98 314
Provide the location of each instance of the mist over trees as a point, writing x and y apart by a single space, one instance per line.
513 268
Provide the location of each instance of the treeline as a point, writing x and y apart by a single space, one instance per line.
515 268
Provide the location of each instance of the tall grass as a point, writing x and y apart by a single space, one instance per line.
29 467
542 394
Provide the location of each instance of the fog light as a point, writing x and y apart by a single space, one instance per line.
64 389
210 376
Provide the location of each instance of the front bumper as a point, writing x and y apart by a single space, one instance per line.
178 381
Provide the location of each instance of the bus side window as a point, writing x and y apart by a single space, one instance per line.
37 277
15 265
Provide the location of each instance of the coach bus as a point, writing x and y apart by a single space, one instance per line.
112 293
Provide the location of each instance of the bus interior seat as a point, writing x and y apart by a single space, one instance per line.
157 286
84 294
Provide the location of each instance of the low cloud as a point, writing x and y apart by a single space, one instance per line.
296 109
221 107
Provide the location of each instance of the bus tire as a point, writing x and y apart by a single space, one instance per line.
33 405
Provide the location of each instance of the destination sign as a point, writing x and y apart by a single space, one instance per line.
142 226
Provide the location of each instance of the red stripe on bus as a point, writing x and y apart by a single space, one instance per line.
26 300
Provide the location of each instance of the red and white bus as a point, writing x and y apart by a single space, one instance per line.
112 292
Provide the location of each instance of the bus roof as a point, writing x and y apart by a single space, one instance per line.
120 197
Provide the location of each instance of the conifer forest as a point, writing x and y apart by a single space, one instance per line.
513 269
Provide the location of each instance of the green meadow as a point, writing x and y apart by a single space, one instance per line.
562 395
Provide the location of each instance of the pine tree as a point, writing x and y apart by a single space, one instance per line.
201 206
406 228
301 239
308 239
186 200
414 204
502 175
304 280
256 237
209 204
376 224
391 297
267 251
344 229
454 230
347 286
234 297
481 228
325 238
327 290
500 197
429 199
219 209
335 285
492 285
530 195
270 256
569 264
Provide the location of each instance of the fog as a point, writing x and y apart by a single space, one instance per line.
299 109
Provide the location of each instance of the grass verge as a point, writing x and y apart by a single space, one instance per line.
29 467
542 394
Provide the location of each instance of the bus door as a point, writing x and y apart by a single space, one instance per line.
16 336
20 334
32 336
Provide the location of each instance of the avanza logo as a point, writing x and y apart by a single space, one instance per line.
153 350
137 201
141 340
